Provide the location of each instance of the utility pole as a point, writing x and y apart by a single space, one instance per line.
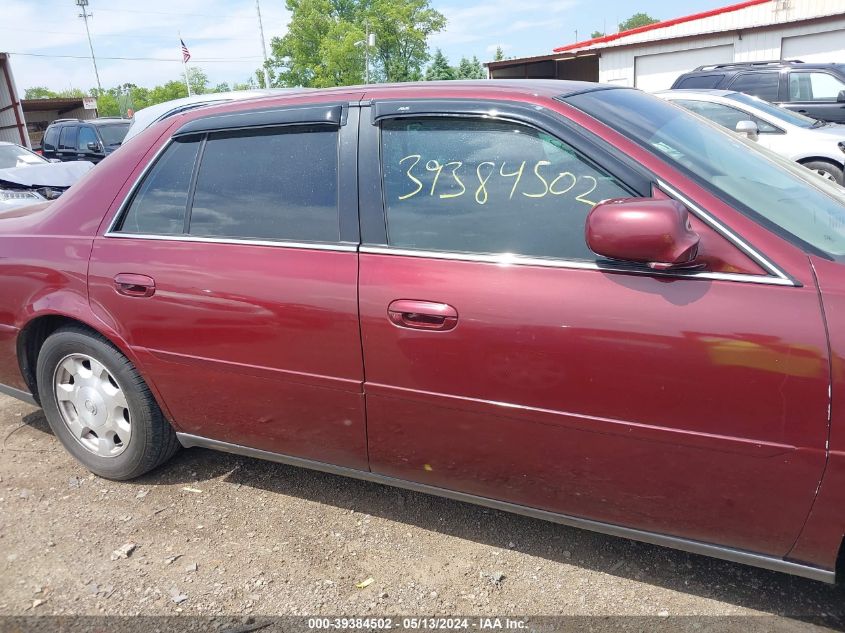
83 4
263 45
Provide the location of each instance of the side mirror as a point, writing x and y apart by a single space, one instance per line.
650 231
94 147
840 98
749 128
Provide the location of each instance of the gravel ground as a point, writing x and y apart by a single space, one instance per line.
216 534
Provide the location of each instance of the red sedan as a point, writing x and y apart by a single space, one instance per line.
568 300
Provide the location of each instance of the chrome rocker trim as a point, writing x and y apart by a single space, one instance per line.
716 551
17 393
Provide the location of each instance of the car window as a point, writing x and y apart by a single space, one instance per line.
113 134
278 184
725 116
483 186
700 81
67 139
814 86
762 84
51 137
17 156
158 207
86 135
778 112
777 192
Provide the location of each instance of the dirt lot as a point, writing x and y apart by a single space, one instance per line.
220 534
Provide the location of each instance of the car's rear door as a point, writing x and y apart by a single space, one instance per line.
66 149
232 273
502 360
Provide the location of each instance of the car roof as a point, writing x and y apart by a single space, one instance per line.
710 92
147 116
525 90
474 88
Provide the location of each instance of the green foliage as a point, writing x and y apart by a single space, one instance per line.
117 101
439 70
500 54
324 44
637 20
596 34
470 69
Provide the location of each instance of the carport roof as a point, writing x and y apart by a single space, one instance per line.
44 105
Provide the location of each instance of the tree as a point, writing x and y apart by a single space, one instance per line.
324 45
198 80
402 28
596 34
439 70
500 54
637 20
470 69
38 92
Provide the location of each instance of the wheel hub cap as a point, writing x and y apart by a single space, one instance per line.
92 405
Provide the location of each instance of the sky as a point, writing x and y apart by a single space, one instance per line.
49 46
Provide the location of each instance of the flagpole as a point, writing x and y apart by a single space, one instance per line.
184 64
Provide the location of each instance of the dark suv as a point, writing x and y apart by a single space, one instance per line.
817 90
93 140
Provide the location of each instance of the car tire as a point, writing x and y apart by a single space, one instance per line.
99 406
828 170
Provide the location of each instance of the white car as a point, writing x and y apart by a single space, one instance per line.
815 144
27 178
145 117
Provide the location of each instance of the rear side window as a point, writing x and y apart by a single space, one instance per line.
700 81
51 138
67 138
158 207
483 186
278 184
762 84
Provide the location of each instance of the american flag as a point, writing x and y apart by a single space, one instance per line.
185 54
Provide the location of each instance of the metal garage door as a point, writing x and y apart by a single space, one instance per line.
659 71
828 46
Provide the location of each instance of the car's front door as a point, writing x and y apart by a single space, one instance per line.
232 277
815 93
88 145
502 360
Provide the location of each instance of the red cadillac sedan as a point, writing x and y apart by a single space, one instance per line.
567 300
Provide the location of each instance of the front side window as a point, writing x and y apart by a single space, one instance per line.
774 191
762 84
279 184
725 115
814 86
86 135
487 186
159 205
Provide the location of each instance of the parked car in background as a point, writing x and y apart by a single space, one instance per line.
815 144
26 177
817 90
591 307
145 117
90 139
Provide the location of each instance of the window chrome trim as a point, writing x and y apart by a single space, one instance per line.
508 259
121 210
729 235
316 246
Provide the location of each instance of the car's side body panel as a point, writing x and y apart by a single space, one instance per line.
607 398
